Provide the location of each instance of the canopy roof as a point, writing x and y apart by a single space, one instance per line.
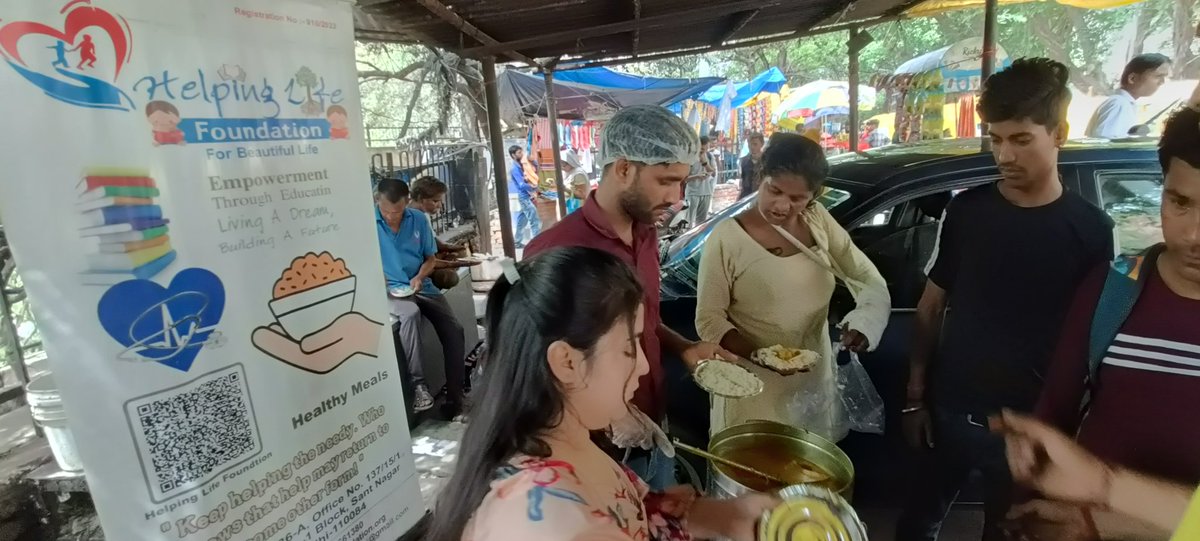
605 30
590 94
768 81
612 79
956 67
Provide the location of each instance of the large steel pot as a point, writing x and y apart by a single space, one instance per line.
767 446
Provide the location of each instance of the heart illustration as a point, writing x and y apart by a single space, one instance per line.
62 83
168 325
79 19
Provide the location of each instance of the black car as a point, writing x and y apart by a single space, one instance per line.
890 200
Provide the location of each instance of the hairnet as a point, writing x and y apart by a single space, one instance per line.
649 134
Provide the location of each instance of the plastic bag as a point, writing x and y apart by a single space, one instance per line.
636 430
861 403
813 404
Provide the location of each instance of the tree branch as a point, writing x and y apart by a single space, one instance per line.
376 74
412 104
1183 33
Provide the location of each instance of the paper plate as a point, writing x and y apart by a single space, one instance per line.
727 380
811 513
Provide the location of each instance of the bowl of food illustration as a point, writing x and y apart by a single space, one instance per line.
311 293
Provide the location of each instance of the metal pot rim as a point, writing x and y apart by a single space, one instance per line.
780 430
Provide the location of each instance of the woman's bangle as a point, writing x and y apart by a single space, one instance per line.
911 409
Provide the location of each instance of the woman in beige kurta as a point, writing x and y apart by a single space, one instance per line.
766 278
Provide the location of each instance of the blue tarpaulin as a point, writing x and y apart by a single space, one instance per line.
591 92
768 81
604 77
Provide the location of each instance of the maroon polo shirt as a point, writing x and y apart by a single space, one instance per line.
590 228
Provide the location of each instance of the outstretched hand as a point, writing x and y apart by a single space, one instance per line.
1043 520
349 335
734 519
1052 463
704 351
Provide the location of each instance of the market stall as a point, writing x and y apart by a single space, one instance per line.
732 111
822 106
933 95
582 100
748 105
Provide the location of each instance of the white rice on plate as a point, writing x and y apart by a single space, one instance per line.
727 379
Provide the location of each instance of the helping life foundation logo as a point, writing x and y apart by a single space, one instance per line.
69 72
81 61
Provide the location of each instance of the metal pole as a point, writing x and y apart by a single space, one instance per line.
483 204
552 114
989 56
496 141
854 47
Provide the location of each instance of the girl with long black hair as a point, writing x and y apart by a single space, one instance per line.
563 328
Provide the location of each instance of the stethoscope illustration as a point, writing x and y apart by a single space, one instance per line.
175 335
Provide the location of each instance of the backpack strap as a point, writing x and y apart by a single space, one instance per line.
1122 286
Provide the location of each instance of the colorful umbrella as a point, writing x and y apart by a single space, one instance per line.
818 99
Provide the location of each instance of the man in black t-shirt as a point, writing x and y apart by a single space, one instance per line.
1009 257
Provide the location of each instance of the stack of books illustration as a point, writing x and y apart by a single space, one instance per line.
117 208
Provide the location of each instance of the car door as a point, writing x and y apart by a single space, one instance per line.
901 256
1131 194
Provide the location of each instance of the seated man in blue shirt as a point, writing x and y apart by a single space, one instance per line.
409 250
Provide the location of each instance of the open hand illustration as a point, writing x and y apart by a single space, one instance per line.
320 352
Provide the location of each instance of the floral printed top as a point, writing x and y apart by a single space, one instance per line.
544 500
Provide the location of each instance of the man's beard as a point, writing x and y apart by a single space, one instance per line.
635 205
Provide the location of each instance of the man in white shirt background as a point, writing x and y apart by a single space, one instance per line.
1143 76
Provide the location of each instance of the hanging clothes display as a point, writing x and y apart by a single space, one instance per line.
579 136
733 132
540 135
966 116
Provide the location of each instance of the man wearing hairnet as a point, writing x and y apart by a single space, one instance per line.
645 155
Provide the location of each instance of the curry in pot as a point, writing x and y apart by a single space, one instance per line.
776 460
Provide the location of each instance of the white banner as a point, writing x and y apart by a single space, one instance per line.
185 187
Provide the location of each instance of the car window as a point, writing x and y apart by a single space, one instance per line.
901 255
1132 199
881 218
832 197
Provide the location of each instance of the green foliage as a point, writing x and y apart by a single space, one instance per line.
392 75
386 96
1076 37
684 67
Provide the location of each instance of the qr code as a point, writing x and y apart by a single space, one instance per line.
188 434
